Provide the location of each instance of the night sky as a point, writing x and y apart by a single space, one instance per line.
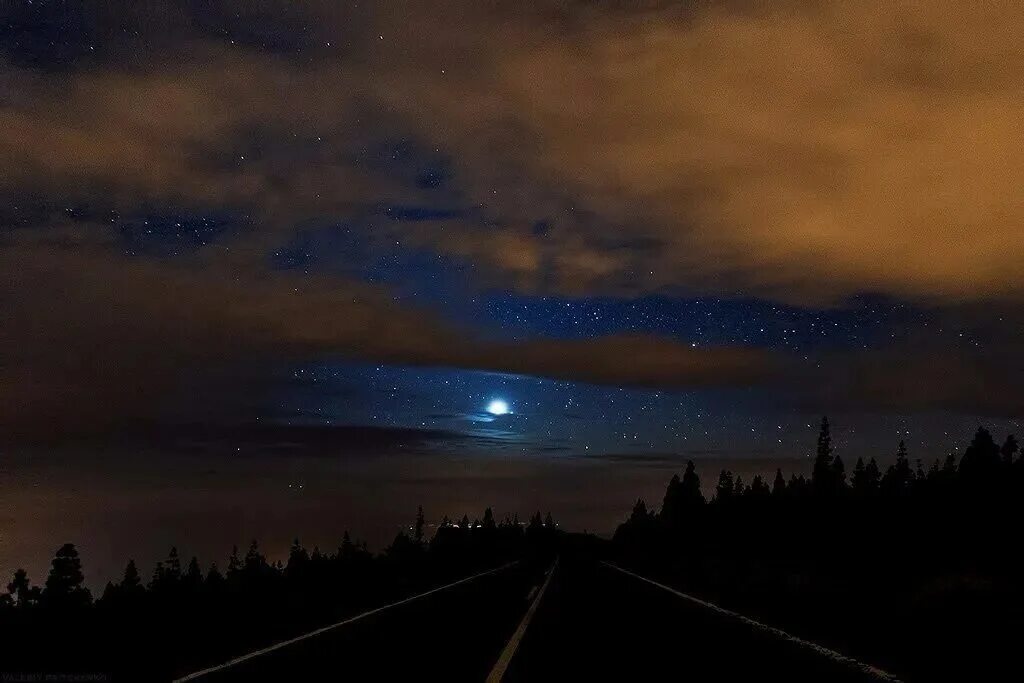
656 231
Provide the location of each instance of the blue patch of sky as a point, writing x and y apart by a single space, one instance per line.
173 233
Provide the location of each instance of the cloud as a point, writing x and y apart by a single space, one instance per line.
913 379
797 151
93 341
806 152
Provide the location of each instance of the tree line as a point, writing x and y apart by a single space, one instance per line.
185 615
985 468
890 563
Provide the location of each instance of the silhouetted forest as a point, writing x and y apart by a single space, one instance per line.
185 616
917 567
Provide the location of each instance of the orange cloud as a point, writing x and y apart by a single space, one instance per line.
799 152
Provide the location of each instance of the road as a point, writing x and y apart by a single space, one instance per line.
582 621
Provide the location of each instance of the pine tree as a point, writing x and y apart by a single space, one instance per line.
20 589
173 567
639 514
347 549
873 476
1009 449
131 579
724 490
899 477
130 588
672 503
758 489
981 459
418 531
691 493
214 579
949 467
65 585
234 563
537 523
821 475
192 581
779 485
157 581
297 558
838 474
255 562
859 480
681 495
738 489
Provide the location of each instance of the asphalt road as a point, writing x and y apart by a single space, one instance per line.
595 623
454 634
591 622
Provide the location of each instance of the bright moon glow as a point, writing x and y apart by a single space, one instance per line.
497 407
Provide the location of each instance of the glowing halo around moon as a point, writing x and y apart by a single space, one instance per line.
498 407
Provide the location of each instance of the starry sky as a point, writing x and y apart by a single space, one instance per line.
655 230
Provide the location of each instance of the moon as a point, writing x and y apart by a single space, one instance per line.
498 407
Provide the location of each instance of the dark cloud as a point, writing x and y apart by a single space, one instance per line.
92 339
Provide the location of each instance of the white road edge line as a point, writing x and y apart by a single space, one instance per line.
498 672
819 649
285 643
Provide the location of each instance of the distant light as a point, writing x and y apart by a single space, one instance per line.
497 407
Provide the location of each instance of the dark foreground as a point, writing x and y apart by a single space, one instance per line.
591 623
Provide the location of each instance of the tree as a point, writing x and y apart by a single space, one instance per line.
692 494
126 592
131 579
857 482
779 485
738 490
234 564
64 586
537 523
681 495
822 474
298 558
20 589
873 476
981 459
639 514
899 477
672 503
418 532
866 477
758 489
214 579
838 474
255 563
347 550
797 485
167 574
193 578
1009 449
173 565
131 586
724 490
